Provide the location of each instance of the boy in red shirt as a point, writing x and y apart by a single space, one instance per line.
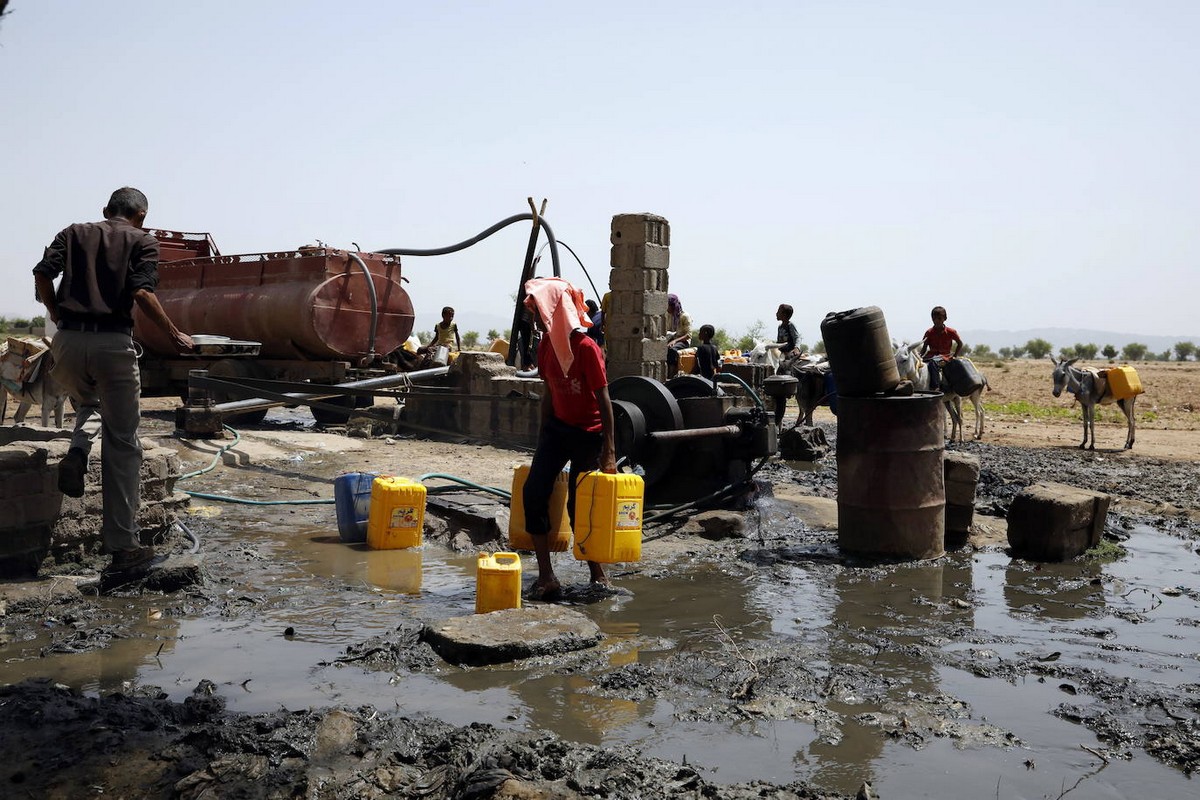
577 417
941 343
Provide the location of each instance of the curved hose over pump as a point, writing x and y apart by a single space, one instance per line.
454 248
374 303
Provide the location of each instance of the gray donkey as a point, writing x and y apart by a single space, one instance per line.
1090 387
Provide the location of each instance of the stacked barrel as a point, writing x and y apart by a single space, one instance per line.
891 485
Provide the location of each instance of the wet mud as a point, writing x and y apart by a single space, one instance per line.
760 664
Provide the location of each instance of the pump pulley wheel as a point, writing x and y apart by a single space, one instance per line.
659 412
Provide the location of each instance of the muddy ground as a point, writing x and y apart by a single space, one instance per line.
865 683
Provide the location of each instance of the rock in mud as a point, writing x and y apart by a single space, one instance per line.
1055 522
511 634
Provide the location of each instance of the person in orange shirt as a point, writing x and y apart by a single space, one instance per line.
941 343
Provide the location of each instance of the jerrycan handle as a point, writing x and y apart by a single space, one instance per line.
507 558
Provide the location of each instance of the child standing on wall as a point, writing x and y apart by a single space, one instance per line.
708 359
941 343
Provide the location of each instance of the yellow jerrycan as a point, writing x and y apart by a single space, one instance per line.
560 523
397 514
608 517
497 582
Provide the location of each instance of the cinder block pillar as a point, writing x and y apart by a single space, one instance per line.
636 327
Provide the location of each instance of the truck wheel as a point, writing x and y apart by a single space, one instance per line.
325 417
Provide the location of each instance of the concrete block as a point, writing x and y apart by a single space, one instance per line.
753 374
1054 522
638 280
635 326
638 350
641 228
647 257
962 477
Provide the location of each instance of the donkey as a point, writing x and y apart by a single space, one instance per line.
811 373
42 389
911 367
1090 387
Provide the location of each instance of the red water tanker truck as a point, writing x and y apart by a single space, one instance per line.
315 314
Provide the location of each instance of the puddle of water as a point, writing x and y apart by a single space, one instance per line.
1112 617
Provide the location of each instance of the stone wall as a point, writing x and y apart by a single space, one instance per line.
37 520
487 402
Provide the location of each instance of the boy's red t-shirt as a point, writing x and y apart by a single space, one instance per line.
573 395
939 342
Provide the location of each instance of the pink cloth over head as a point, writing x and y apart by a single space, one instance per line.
562 310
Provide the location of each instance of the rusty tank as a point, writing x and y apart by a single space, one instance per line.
310 304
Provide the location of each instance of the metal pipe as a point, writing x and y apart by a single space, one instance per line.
693 433
382 382
374 304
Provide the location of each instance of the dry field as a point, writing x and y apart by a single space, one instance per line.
1021 410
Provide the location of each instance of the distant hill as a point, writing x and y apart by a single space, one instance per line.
1067 337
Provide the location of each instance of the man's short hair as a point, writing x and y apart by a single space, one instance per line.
127 202
786 309
707 332
938 310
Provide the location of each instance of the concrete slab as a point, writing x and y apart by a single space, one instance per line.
511 634
815 512
255 448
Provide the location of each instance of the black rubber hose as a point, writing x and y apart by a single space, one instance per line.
454 248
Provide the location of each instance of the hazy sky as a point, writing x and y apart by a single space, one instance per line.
1025 164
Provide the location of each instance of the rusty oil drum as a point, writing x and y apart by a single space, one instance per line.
891 483
860 351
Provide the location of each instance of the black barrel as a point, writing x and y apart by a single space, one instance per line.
860 351
962 376
891 485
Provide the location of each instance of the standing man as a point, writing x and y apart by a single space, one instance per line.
106 267
941 343
577 418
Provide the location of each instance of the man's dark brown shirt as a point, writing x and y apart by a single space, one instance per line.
102 264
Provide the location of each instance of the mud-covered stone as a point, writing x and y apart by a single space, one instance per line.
511 634
1055 522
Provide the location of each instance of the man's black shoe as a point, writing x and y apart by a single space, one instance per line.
71 471
132 560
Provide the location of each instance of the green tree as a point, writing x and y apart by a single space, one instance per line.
1038 348
470 340
1165 355
1066 352
819 347
752 336
1109 352
424 337
493 334
982 351
721 340
1006 352
1134 351
1018 350
1087 351
1185 350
